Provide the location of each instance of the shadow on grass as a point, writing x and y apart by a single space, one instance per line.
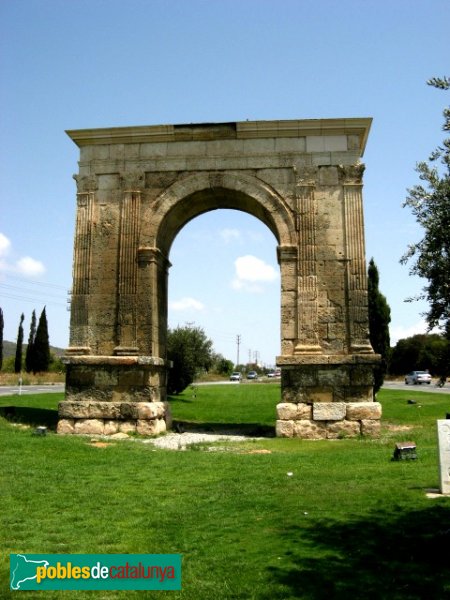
250 429
30 416
388 555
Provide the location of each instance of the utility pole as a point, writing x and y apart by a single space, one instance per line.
238 342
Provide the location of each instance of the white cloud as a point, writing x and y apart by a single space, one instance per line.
29 266
26 266
229 235
5 245
251 272
186 304
400 332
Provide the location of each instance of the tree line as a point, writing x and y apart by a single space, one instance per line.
37 356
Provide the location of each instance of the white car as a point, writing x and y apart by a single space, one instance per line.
236 376
417 377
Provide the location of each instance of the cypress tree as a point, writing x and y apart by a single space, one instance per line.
1 338
41 351
18 358
29 355
379 319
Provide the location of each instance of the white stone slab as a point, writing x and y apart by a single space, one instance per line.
443 427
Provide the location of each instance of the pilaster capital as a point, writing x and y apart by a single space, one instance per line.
148 255
86 183
287 253
351 174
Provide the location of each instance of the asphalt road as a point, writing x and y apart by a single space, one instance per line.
12 390
421 387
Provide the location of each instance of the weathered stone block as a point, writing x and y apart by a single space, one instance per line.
110 427
356 411
104 410
340 429
150 410
370 428
310 430
65 426
127 427
292 411
89 426
284 429
153 427
74 410
329 411
319 395
129 410
286 411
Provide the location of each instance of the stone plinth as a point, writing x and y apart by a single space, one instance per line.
328 397
110 394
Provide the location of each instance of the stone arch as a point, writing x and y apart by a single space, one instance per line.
138 186
202 192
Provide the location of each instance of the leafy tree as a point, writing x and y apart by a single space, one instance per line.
1 337
190 350
18 359
421 351
430 204
29 355
223 366
41 350
379 319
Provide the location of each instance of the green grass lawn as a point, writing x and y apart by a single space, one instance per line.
348 522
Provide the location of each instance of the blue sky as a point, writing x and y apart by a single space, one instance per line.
69 64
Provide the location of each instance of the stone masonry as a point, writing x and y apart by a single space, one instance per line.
138 186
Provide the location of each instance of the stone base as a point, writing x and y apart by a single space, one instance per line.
108 418
328 397
328 420
116 378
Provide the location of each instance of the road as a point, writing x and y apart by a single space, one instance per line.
422 387
13 390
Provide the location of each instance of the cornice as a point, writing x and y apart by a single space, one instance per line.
218 131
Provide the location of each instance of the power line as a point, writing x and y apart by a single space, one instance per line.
28 281
34 300
26 291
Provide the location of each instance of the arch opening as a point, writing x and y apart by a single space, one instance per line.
225 278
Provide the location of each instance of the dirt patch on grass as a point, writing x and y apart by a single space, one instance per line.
394 428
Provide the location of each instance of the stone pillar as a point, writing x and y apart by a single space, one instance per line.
307 302
79 317
153 292
356 276
128 265
287 259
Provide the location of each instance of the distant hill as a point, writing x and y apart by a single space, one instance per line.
9 349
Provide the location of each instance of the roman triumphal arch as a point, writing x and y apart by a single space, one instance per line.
138 186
